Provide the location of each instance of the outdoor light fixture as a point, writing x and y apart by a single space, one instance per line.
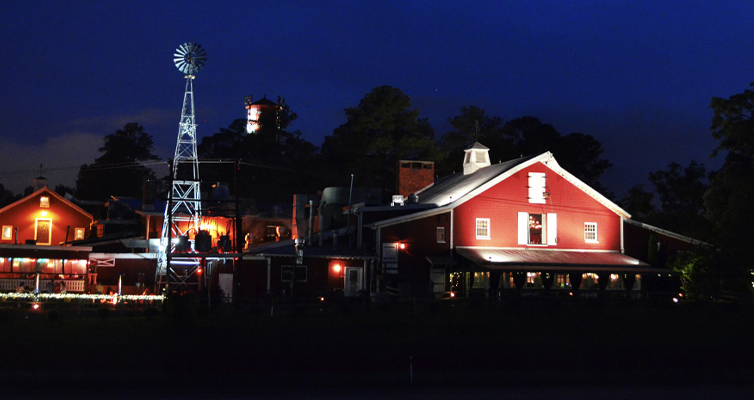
336 268
43 213
402 246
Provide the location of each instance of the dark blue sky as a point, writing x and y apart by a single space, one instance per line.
636 75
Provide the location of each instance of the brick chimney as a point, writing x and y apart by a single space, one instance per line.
413 176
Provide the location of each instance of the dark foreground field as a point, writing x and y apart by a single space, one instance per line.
449 344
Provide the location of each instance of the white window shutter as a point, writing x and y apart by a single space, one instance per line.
523 228
537 187
552 229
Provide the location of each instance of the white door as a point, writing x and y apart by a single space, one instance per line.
353 280
225 282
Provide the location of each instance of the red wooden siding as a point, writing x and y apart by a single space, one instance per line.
62 215
502 203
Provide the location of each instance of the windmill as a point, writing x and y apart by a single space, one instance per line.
183 211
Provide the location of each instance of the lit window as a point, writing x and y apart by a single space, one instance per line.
482 228
537 229
79 234
7 232
440 234
44 201
590 232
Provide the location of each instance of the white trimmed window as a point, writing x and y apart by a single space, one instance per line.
537 187
590 232
537 229
7 232
44 201
482 228
43 231
79 234
440 234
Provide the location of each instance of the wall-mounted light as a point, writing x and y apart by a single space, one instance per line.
336 268
43 213
402 246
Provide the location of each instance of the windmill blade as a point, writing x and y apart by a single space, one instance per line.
189 57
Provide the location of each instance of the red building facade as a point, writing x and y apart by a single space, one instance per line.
524 223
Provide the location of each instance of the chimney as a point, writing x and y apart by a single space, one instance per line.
413 176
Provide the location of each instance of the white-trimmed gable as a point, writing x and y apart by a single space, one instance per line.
466 189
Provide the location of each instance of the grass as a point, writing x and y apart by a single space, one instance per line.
453 343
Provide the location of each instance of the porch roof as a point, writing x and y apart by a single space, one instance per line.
38 251
517 259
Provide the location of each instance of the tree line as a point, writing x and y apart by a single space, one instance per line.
384 128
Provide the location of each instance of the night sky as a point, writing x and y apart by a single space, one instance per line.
636 75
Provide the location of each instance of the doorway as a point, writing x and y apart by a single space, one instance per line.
353 281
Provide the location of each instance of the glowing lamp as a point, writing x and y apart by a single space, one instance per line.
198 271
336 268
402 246
43 213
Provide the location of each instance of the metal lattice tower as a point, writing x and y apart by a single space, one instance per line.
183 211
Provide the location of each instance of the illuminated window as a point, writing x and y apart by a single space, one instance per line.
590 280
532 278
480 280
44 201
590 232
7 232
79 234
440 234
537 188
562 281
537 229
482 228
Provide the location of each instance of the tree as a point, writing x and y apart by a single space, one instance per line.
63 189
275 162
379 132
731 194
118 171
6 196
681 193
640 204
577 153
472 125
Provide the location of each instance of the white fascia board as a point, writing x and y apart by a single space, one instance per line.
549 161
545 158
505 175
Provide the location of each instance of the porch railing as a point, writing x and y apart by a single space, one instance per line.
71 286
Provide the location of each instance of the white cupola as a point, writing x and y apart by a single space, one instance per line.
477 157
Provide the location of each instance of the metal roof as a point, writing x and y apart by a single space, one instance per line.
554 259
452 187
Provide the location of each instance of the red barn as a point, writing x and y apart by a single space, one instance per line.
36 235
524 223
